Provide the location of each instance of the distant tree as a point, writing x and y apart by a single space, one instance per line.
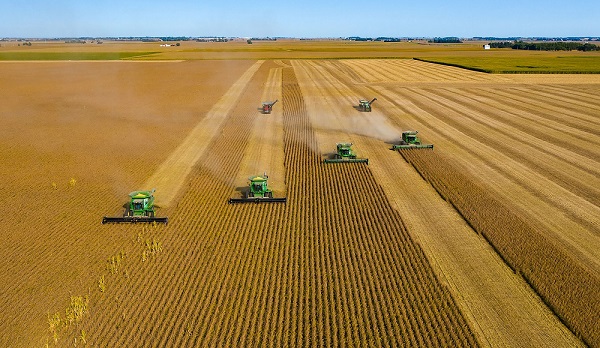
445 40
505 44
588 47
553 46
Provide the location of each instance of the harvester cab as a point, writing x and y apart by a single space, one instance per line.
411 141
365 105
141 203
345 154
258 192
139 209
267 107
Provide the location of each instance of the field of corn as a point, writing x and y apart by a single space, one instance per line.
491 239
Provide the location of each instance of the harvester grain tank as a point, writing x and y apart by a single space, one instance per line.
258 192
411 141
139 209
365 105
345 154
267 107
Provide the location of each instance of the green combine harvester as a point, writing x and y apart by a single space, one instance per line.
139 209
365 105
411 141
258 192
345 154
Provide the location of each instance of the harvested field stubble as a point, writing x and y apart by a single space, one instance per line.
105 125
568 287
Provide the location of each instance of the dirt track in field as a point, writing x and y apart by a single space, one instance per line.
360 254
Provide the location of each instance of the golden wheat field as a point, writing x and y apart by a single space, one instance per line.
490 239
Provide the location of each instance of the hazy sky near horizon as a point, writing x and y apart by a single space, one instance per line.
309 18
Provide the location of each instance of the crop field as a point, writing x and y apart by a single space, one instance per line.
490 239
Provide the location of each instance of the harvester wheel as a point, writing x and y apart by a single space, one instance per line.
269 194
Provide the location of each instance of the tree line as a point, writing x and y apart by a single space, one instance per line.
546 46
445 40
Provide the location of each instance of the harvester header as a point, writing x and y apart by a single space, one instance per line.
139 209
411 141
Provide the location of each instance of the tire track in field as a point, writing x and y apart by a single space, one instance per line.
413 71
553 119
589 123
549 142
532 152
576 92
506 177
170 175
558 99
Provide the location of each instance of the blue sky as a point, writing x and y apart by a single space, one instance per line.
310 18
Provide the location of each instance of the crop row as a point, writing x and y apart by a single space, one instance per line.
333 266
565 285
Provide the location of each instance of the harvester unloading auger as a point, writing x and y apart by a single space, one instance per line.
267 107
411 141
365 105
139 210
345 154
258 192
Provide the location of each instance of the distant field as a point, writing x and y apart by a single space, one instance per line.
36 55
524 65
469 55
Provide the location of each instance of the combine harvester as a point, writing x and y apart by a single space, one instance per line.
267 107
140 209
345 154
365 105
411 141
258 192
